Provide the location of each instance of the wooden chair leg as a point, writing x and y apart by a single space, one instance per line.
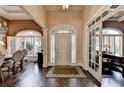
26 61
1 73
123 72
21 65
13 70
8 71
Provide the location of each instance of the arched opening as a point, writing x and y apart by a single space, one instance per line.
30 40
63 45
112 41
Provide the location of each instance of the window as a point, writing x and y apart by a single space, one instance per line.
112 41
30 40
52 49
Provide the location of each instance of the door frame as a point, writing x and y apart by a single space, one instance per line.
53 31
96 74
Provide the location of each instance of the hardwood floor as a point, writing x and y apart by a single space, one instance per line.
32 76
114 80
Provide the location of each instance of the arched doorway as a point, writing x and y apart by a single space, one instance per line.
63 45
112 41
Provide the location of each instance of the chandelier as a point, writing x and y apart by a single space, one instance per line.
65 7
3 26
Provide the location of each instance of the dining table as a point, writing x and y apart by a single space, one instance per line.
117 62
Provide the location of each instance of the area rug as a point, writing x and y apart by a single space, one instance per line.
65 72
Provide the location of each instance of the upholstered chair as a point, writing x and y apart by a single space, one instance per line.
16 61
2 69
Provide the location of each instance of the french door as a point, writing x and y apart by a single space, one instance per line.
95 52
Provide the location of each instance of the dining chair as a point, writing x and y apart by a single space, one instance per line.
2 57
15 62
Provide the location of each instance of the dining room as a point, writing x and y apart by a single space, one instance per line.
18 35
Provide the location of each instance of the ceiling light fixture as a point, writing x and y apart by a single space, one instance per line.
65 7
3 26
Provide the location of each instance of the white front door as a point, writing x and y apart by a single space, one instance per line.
95 52
63 49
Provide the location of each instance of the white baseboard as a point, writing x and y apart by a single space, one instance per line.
32 58
84 67
79 64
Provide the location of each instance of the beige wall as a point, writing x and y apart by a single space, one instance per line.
39 14
72 18
15 26
78 19
87 13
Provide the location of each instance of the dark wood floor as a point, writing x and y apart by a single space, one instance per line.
114 80
32 76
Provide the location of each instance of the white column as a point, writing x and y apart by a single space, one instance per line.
45 51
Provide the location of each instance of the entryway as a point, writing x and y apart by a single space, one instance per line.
63 45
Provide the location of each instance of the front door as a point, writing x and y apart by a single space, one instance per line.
63 49
95 52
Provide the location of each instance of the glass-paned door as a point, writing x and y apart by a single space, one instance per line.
95 51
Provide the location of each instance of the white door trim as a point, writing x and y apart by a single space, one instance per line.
96 65
45 50
53 31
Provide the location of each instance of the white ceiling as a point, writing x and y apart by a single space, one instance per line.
12 12
16 12
59 7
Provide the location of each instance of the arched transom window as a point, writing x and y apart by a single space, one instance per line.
112 41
